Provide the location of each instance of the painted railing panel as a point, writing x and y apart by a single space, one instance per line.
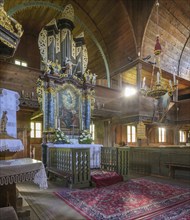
115 159
73 163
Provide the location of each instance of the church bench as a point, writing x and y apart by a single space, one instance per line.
59 173
174 166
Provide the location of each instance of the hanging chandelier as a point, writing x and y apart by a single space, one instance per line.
158 88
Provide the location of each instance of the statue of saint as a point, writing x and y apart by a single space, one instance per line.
4 120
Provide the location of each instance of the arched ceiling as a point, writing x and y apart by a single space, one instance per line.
116 30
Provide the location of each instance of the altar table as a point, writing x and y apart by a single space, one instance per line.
16 171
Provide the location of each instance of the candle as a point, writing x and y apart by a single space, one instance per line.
144 79
158 77
174 79
170 83
59 123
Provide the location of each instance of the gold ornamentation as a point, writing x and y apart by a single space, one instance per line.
85 57
50 40
39 90
57 41
63 34
11 25
42 43
73 49
68 13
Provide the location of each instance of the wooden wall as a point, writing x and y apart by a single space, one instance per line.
28 51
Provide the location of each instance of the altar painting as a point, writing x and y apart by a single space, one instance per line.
69 109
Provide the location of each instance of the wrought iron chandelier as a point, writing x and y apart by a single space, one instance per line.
158 88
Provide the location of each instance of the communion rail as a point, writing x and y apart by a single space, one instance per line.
115 159
72 164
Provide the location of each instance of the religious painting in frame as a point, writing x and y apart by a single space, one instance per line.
69 109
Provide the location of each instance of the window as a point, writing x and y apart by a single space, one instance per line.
131 134
161 135
182 136
21 63
92 131
36 130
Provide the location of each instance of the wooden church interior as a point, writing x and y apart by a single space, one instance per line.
123 46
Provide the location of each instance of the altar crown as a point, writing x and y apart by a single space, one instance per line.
68 13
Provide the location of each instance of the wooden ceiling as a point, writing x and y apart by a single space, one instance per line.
116 30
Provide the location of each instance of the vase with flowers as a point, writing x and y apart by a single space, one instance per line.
60 137
85 137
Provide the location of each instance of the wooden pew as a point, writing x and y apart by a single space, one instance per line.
174 166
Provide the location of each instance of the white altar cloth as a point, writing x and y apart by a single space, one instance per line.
12 145
20 170
95 151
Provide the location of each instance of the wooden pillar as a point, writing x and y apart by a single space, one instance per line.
176 135
138 79
120 85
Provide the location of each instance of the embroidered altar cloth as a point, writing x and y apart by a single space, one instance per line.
13 145
21 170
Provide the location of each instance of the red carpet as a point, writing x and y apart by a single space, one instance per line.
135 199
104 178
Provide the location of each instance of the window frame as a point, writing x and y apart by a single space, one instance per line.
131 134
184 134
35 130
161 135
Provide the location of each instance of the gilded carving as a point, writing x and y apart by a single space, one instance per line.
68 13
57 40
11 25
85 58
63 34
42 43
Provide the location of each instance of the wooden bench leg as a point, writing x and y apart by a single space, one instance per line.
171 171
8 195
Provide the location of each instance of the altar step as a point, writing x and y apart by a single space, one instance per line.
101 178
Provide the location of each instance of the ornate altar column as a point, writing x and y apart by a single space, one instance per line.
49 107
65 25
52 30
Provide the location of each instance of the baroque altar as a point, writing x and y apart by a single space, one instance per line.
66 87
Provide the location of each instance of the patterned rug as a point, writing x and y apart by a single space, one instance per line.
134 199
103 178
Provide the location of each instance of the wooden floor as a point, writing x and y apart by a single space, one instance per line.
44 205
